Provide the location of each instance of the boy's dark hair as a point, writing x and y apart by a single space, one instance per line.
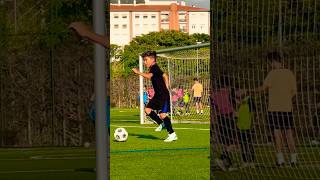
151 54
195 79
274 56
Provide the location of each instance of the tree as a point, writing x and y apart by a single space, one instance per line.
201 37
115 52
153 41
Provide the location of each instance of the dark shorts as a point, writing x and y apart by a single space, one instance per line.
227 131
197 99
160 104
280 120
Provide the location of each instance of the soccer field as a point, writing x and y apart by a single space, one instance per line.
47 163
143 156
308 166
146 156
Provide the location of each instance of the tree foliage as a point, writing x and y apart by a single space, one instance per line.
156 41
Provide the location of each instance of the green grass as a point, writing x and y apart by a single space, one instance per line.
47 163
143 156
308 166
146 156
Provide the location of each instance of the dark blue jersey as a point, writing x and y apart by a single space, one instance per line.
159 86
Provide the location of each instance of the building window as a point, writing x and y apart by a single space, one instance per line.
137 16
145 16
153 16
116 16
116 26
193 26
182 17
124 16
124 26
164 17
183 27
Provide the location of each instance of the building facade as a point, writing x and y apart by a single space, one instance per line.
130 20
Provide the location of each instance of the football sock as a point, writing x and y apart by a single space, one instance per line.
167 123
155 117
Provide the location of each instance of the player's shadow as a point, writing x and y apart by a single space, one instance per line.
143 136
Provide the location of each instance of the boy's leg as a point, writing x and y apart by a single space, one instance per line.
172 135
291 146
167 122
153 115
251 147
276 124
279 143
187 107
243 144
197 107
289 137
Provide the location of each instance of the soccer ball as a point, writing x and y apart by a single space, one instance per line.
120 134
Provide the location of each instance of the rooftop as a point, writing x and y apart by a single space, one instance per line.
153 8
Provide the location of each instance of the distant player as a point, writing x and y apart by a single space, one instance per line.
161 99
282 87
186 99
223 104
197 89
245 116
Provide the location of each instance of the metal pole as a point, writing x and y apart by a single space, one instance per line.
198 60
141 91
170 94
100 92
197 63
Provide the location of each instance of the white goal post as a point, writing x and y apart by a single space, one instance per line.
184 57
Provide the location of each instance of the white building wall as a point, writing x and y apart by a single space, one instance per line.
119 28
199 22
144 23
148 22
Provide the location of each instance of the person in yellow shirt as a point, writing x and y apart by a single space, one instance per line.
197 89
282 87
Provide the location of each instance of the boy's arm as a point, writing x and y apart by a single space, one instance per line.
145 75
166 80
86 32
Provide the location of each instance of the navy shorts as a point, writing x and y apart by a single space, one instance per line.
280 120
197 99
160 104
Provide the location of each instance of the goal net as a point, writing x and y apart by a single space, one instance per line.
182 65
244 33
